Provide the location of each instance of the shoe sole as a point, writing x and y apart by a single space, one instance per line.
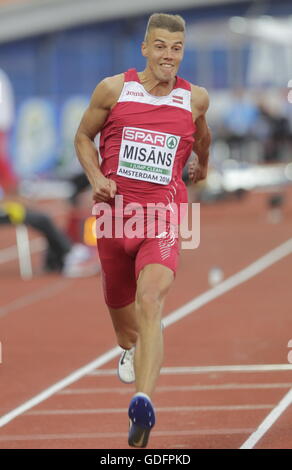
140 412
138 436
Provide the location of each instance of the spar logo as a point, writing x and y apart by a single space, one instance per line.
143 136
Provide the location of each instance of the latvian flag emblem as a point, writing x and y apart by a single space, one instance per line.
177 99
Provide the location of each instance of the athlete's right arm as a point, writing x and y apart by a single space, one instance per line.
103 99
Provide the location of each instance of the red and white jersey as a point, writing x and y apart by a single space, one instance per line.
146 141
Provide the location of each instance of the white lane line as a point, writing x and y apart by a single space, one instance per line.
177 388
209 369
268 421
233 281
111 435
98 362
10 254
164 409
262 263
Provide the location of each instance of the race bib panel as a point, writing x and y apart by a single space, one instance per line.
147 155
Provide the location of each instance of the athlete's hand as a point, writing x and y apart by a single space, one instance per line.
104 189
196 171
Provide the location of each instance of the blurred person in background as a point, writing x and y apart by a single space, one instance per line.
61 254
273 130
239 123
138 272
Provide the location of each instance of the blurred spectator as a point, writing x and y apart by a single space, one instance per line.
256 126
242 115
72 260
239 122
272 130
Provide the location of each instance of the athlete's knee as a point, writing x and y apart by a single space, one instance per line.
149 299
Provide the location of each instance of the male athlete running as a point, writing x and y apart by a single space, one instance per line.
149 123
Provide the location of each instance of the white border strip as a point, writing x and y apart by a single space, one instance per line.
163 409
262 263
177 388
112 435
208 369
27 19
268 421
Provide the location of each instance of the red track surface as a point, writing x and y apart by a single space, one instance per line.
51 326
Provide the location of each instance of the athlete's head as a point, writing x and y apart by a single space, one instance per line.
163 45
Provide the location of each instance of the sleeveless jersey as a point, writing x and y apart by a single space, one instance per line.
146 141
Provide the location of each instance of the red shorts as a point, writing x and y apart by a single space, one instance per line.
122 259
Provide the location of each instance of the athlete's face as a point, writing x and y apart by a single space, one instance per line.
164 53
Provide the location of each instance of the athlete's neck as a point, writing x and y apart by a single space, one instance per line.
153 85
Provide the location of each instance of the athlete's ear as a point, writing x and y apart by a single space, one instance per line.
144 49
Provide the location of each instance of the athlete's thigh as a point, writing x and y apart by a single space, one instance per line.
118 273
162 250
155 281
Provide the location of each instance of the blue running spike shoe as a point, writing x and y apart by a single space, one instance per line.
142 420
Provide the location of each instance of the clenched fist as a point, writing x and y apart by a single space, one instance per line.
196 171
104 189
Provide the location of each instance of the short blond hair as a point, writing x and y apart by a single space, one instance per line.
172 23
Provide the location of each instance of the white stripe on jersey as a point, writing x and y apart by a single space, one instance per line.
135 92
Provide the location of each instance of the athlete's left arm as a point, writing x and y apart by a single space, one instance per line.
199 166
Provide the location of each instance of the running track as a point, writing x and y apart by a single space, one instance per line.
226 379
